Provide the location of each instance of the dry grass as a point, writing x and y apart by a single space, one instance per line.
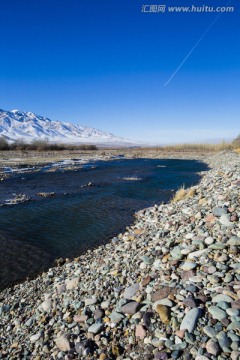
191 192
194 147
182 193
199 147
237 150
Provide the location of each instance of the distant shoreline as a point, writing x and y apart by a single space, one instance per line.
21 158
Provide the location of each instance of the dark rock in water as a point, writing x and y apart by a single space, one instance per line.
90 184
46 194
18 199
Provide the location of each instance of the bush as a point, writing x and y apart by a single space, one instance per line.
42 145
3 144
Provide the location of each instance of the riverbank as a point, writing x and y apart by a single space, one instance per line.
168 288
41 158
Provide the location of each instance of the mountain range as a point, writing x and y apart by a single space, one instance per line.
27 126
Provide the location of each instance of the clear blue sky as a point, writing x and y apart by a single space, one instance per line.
105 63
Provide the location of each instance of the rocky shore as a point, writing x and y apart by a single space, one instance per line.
168 288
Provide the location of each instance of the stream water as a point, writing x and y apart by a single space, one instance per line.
79 217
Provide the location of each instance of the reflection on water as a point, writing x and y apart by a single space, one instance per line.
78 217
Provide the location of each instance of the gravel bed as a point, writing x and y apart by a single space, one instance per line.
168 288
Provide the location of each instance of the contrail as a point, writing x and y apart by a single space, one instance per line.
193 48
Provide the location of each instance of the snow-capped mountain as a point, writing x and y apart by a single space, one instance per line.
15 125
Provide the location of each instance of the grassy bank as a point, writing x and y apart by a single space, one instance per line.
197 147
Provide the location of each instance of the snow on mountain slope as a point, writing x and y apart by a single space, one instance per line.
28 126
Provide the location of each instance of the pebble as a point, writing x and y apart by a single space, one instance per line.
46 305
72 283
223 340
35 337
234 241
188 265
217 313
222 297
190 320
130 308
213 348
225 220
131 291
62 342
96 328
210 331
90 301
163 312
140 332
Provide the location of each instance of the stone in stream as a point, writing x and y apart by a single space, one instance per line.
190 320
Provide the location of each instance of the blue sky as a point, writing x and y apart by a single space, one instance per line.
105 63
